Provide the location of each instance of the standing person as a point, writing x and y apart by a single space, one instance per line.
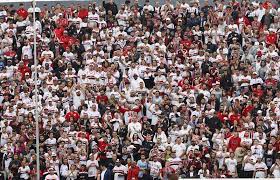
120 171
51 175
260 169
64 167
72 173
143 165
92 165
248 164
133 171
155 167
106 174
204 172
275 169
24 171
231 164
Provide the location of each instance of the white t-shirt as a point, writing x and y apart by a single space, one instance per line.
231 165
24 172
179 148
92 168
52 177
119 172
248 166
260 169
50 141
63 170
155 168
134 127
276 172
201 173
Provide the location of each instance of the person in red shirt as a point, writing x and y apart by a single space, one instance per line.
270 81
234 142
103 143
23 69
186 42
73 114
258 91
83 13
83 131
247 109
222 117
102 97
61 21
64 39
58 32
10 54
133 171
271 38
22 11
234 117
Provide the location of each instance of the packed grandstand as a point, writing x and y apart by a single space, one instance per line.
141 91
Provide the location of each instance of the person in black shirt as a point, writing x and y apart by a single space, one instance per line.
83 174
110 6
148 144
270 156
147 129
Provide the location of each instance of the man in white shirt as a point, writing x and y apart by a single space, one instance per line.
134 126
135 81
51 175
92 165
260 169
255 79
119 171
155 167
260 12
193 146
231 164
179 147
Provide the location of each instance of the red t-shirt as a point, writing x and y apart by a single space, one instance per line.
102 145
22 12
234 142
62 22
102 98
186 43
65 41
271 81
258 92
271 38
221 116
72 40
81 132
58 32
23 70
234 117
83 13
133 173
73 114
247 109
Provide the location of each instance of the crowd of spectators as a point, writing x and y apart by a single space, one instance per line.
141 91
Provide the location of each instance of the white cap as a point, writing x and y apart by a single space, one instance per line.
204 139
